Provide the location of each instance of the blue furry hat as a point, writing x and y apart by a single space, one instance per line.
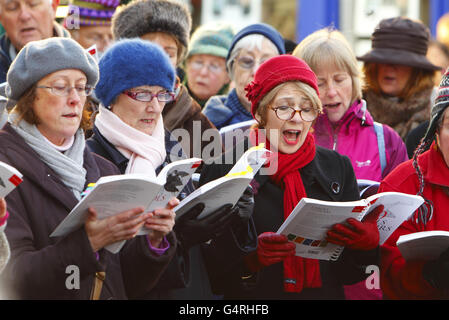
132 63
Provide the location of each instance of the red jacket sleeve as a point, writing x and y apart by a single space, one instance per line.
401 279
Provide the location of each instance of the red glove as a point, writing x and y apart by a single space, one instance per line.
271 248
358 235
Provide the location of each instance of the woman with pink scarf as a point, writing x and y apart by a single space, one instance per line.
137 80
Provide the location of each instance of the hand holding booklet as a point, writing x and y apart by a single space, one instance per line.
227 189
114 194
309 222
424 245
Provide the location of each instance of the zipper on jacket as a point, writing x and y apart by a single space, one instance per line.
335 141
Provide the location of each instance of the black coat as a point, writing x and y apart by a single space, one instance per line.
322 177
185 277
38 265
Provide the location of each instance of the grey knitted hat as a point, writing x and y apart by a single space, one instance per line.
144 16
40 58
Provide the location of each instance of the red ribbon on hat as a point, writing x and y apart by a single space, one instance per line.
253 90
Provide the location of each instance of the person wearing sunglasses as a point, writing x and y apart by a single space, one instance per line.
44 139
285 103
249 48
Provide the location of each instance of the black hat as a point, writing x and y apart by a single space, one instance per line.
400 41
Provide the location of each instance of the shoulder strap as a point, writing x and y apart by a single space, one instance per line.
381 144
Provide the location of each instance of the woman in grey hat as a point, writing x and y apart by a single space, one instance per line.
50 80
398 77
168 24
427 174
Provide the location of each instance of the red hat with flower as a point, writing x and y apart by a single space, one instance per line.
277 70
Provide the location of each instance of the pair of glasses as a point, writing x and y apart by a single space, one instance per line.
287 113
212 67
249 63
147 96
64 91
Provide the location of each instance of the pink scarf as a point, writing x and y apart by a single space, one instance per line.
145 152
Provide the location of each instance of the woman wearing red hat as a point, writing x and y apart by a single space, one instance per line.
285 102
346 125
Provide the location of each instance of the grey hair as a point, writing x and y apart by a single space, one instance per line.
249 42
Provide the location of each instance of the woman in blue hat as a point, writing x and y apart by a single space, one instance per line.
129 131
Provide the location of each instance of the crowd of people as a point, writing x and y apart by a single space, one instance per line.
153 92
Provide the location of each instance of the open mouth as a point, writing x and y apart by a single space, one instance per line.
291 137
27 30
332 105
390 79
70 115
147 121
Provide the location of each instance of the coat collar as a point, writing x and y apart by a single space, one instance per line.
437 171
27 161
316 172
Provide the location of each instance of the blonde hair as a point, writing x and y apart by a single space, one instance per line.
329 46
304 88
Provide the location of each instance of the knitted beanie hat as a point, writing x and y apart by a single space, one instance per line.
90 13
277 70
259 28
132 63
144 16
213 39
40 58
440 105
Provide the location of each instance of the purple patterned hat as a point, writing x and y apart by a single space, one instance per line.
91 12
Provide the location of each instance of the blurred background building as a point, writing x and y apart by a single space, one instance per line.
296 19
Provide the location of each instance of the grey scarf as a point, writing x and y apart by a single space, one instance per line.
68 165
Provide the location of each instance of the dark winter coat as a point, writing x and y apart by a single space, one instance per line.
185 113
38 268
326 170
186 277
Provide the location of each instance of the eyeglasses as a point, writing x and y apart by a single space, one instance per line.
146 96
248 62
64 91
287 113
212 67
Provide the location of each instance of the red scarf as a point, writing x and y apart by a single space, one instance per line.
299 272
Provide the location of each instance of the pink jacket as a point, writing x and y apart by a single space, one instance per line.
355 137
